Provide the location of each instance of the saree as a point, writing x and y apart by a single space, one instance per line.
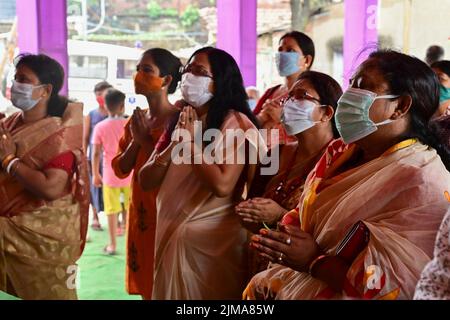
200 246
285 188
40 240
141 224
398 196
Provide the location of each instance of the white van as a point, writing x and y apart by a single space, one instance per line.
92 62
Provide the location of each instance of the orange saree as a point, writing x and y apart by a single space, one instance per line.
40 241
141 222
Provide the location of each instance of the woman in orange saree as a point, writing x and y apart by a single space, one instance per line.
158 75
43 186
386 185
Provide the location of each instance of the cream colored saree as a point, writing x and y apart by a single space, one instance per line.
200 248
400 198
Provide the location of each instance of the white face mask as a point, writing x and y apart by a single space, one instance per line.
297 115
195 89
21 95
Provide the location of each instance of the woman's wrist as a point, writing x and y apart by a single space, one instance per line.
6 160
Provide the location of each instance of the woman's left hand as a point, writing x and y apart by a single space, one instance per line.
7 144
291 247
258 210
191 117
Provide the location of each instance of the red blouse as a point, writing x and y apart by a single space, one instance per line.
65 161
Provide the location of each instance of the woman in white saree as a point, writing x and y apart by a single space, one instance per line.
200 243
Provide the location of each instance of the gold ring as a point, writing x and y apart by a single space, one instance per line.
4 137
182 123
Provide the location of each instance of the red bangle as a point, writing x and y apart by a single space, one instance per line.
314 263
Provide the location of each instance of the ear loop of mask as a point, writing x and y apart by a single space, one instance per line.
387 121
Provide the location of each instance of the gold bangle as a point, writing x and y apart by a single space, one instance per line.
314 263
7 160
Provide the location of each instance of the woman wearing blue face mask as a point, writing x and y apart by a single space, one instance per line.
367 220
45 196
442 70
295 55
441 119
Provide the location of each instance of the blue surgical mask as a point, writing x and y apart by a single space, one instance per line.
21 95
287 63
252 104
444 94
352 114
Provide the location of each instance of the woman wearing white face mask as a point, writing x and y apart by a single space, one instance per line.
307 115
200 243
44 198
368 217
295 55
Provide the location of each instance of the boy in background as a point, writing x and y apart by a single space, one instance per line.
106 137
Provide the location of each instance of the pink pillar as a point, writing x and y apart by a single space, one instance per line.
42 28
236 34
361 33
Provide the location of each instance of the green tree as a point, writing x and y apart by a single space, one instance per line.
190 16
154 10
301 11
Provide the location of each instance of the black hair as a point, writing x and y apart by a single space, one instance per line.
443 65
48 71
229 90
328 90
168 64
409 76
101 86
113 99
434 53
304 42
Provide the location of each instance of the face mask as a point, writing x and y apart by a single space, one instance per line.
297 116
287 63
195 89
352 114
252 103
21 95
145 83
444 94
100 101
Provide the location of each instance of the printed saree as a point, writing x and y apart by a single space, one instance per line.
40 241
141 222
400 198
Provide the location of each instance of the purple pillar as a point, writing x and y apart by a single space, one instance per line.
361 33
42 28
236 34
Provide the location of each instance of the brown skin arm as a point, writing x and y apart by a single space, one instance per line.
151 174
48 184
97 179
127 159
